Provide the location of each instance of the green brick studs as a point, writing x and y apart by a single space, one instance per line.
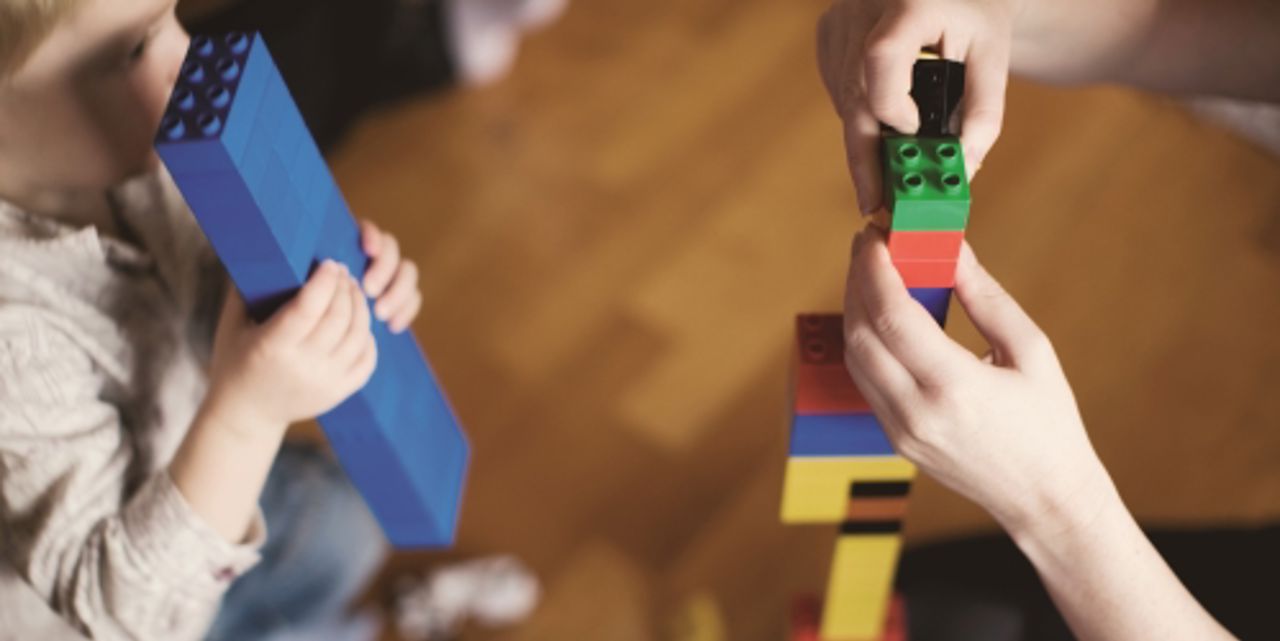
926 188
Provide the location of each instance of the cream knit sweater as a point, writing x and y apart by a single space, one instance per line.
102 352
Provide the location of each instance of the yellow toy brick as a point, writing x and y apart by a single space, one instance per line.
816 488
858 590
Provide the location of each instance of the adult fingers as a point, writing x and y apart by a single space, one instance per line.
1014 337
884 382
986 79
905 328
830 56
891 51
862 153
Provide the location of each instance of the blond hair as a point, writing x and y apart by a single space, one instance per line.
24 24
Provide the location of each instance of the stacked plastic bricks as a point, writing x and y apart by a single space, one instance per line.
249 169
841 468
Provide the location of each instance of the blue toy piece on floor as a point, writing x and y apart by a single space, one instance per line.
249 169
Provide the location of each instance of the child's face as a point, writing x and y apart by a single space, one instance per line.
82 111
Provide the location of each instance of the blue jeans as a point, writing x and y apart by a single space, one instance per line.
322 546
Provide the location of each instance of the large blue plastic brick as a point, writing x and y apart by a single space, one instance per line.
935 299
240 153
838 435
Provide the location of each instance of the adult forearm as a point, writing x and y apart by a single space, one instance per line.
1219 47
222 465
1108 581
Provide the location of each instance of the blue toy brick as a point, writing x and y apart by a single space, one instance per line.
276 195
254 161
317 192
340 238
287 141
935 299
838 435
258 79
221 197
196 157
242 157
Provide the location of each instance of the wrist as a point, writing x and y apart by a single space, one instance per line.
225 412
1066 512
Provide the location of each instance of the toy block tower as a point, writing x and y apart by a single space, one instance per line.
840 467
242 157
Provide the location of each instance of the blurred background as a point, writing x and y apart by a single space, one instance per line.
615 238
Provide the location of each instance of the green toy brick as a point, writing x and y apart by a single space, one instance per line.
926 186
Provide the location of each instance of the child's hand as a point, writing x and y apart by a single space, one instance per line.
312 354
390 280
866 49
1003 431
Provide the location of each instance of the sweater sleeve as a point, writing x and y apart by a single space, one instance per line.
114 561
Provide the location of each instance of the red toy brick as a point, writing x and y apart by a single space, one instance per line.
927 273
895 628
806 620
822 384
925 245
806 614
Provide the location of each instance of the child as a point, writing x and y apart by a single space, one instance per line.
130 480
1004 431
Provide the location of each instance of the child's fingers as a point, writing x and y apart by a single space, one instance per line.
401 319
905 328
295 320
370 238
383 266
403 286
986 79
333 324
365 362
348 349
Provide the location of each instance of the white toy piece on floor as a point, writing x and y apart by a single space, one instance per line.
494 592
484 35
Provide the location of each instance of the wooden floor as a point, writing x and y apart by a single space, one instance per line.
614 241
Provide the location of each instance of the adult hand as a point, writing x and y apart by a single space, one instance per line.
866 49
1002 430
